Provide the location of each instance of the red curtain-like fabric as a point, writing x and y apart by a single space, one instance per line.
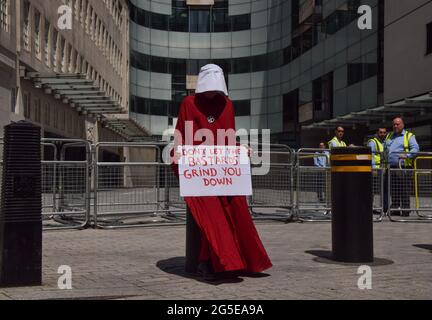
229 237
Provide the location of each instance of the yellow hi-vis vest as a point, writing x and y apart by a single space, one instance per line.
338 143
380 150
407 136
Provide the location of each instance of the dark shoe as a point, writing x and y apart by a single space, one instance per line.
406 213
395 213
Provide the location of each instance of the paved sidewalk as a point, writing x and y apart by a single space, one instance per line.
147 263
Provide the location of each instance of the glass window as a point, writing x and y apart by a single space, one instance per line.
361 71
242 108
194 65
27 25
305 94
159 107
178 67
290 108
140 61
159 21
259 63
274 59
221 21
179 21
323 93
241 65
4 15
140 16
179 4
47 44
307 40
199 20
219 4
174 106
355 73
241 22
287 55
159 64
225 64
295 48
37 33
139 105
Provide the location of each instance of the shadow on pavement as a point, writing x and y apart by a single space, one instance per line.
424 246
324 256
177 266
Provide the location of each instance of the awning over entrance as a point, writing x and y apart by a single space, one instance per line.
77 91
86 97
127 127
412 107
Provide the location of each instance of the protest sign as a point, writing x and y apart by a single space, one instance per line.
214 171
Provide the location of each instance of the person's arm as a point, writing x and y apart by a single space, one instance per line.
316 160
413 146
372 145
326 159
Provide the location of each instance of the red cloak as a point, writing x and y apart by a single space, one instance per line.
229 237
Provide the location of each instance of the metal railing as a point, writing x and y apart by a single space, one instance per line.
410 189
130 194
273 192
313 185
77 194
66 186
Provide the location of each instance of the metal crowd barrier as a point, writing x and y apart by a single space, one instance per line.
313 188
410 189
378 178
130 194
66 187
146 193
273 193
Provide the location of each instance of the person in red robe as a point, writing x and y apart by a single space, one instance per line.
229 239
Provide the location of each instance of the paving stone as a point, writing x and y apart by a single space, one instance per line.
147 263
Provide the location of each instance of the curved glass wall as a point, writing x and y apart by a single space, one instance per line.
287 62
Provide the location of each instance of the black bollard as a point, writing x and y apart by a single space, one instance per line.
21 207
193 243
352 205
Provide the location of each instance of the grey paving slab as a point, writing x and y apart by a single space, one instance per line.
147 263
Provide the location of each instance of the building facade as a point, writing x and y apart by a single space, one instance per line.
408 64
73 79
288 63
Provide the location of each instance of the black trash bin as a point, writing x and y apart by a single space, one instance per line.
352 205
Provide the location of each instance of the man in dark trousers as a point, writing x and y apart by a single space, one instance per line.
401 147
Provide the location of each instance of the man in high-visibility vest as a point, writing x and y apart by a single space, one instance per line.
377 146
400 147
337 139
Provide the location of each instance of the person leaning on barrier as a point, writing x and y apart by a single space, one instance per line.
321 161
337 139
400 148
377 146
